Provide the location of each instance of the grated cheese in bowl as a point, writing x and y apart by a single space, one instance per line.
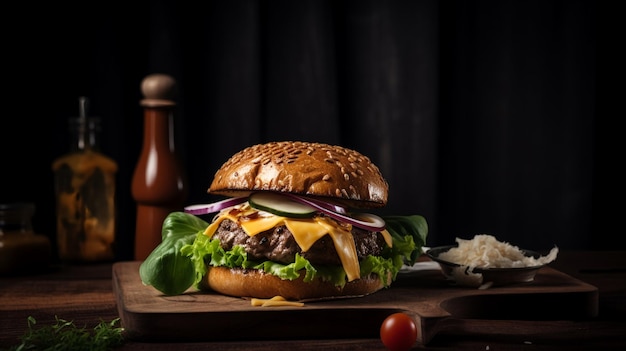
484 261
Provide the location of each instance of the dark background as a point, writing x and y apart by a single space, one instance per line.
498 117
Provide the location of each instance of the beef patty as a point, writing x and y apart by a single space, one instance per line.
279 245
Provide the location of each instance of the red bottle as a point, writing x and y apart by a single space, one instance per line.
159 184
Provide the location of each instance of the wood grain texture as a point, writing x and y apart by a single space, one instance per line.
436 306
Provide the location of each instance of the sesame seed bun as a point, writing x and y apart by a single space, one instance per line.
303 168
332 173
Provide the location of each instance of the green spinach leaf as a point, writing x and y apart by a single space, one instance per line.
166 268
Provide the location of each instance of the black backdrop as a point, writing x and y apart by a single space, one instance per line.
484 116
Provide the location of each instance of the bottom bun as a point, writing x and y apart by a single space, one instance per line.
258 284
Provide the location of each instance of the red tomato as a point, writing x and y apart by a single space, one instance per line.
398 332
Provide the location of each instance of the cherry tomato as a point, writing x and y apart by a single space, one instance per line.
398 332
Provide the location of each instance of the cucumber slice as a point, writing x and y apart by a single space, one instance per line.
280 205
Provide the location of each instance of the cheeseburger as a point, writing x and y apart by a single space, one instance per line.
296 222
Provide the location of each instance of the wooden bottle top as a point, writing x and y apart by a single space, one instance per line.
159 90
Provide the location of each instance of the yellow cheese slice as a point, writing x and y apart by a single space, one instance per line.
250 226
305 231
344 244
274 301
387 237
255 226
210 230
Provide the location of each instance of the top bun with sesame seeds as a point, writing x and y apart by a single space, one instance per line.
311 169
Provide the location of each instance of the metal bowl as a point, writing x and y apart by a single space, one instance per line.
490 276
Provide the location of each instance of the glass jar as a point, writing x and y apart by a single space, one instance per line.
21 249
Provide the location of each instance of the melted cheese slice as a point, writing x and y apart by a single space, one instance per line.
274 301
305 231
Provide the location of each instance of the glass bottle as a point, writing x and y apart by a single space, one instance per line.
21 249
85 194
159 184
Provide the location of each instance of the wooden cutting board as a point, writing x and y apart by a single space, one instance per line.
425 294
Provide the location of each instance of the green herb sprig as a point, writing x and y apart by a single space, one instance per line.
65 336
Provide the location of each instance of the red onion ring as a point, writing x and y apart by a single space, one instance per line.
373 223
330 206
216 206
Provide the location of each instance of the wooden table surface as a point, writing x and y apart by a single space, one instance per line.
84 294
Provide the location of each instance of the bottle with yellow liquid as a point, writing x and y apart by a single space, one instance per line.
85 194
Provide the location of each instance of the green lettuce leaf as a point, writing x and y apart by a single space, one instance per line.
409 236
